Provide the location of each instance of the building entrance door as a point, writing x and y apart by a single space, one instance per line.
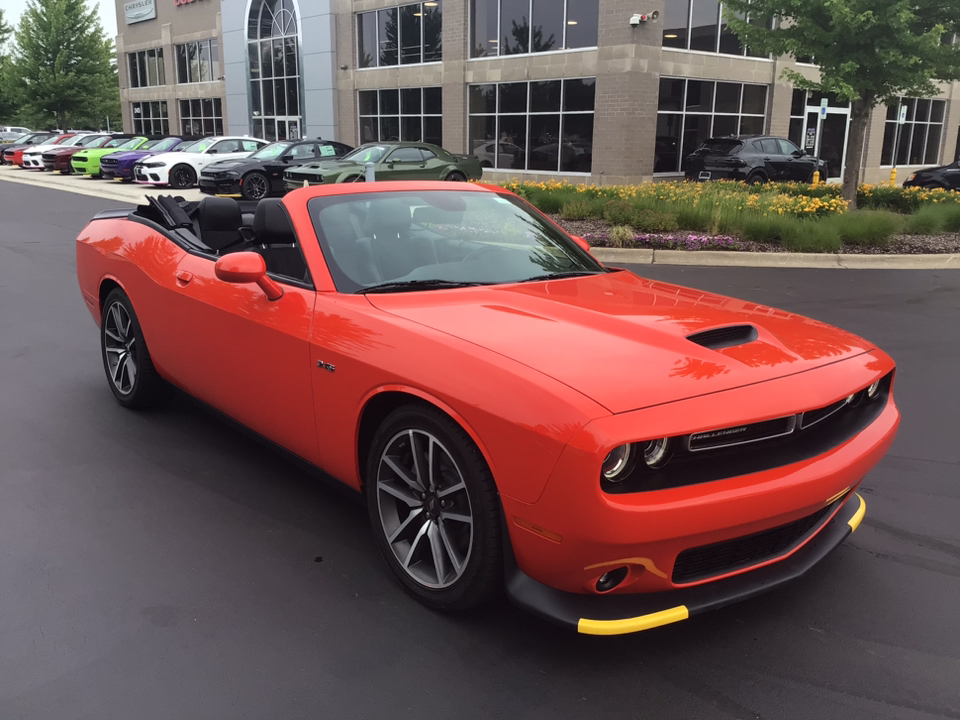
826 137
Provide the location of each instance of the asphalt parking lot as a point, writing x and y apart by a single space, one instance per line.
161 565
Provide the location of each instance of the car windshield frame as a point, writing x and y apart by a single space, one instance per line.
283 146
354 155
130 144
486 238
199 146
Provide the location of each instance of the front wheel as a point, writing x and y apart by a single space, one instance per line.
255 186
434 509
456 176
756 179
182 177
126 360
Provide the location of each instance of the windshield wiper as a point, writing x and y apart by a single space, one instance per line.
411 285
566 274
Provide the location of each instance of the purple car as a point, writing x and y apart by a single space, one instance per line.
120 165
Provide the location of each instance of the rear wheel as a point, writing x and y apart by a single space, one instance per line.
457 176
255 186
434 509
182 177
756 179
126 360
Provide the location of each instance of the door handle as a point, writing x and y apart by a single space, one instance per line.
184 277
423 165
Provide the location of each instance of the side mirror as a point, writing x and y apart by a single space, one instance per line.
798 153
581 242
247 267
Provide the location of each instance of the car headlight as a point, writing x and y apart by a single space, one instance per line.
912 177
656 452
873 392
153 164
617 464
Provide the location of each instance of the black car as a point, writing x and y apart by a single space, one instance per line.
945 176
260 175
7 149
753 159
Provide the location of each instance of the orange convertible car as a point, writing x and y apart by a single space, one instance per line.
617 453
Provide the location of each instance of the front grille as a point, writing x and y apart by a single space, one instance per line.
742 434
109 162
50 156
707 561
725 337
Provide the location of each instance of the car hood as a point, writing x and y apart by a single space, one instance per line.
132 155
323 166
229 165
43 148
621 340
172 158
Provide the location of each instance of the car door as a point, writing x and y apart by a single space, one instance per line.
773 161
798 165
222 150
248 356
293 157
403 163
433 166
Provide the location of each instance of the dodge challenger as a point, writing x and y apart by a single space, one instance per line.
613 452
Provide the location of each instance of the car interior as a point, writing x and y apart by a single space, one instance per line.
217 226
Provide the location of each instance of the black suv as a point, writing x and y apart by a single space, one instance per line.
753 159
945 176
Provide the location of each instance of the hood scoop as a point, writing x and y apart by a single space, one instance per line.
724 337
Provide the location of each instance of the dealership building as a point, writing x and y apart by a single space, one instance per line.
606 91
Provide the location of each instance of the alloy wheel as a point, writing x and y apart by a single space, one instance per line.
120 344
424 508
256 186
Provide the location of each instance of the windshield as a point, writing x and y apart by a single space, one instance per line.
450 236
199 146
129 144
158 145
271 151
100 142
92 140
75 141
719 147
367 153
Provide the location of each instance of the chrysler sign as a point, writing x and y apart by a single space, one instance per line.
139 10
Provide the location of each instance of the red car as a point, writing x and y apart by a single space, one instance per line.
618 453
59 158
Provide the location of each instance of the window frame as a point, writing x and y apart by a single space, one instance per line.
215 118
145 59
438 8
907 133
207 57
140 122
399 115
745 51
563 49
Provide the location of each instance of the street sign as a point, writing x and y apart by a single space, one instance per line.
903 114
824 102
823 111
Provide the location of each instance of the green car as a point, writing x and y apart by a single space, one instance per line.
392 161
87 162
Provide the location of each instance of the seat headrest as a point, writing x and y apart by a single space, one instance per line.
387 216
219 221
271 224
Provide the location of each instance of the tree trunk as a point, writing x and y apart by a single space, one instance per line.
861 111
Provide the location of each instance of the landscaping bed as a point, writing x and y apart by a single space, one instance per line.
775 217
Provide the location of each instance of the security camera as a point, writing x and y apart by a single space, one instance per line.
636 19
639 18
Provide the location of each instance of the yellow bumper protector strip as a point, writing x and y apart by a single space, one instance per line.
854 522
634 624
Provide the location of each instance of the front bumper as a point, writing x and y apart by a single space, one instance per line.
224 186
33 162
621 614
151 175
84 166
290 185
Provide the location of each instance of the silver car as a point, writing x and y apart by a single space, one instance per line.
8 133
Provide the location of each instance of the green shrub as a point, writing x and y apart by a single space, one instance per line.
952 218
872 228
815 236
884 197
697 219
651 221
619 212
772 229
621 235
928 220
581 209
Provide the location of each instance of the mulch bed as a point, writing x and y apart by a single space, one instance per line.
595 232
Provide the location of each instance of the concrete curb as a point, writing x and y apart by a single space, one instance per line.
134 194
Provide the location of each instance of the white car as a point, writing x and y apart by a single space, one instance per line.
8 133
33 158
181 169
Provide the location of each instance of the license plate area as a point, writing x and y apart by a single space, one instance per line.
704 175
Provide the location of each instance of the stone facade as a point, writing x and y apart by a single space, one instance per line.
174 24
628 63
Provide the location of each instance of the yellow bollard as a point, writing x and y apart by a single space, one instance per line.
893 177
816 177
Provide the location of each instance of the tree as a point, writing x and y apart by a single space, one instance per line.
6 94
870 52
64 66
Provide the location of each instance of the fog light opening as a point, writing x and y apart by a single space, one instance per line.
609 580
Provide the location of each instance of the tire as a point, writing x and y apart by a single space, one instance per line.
354 178
182 177
255 186
756 179
131 375
456 176
441 536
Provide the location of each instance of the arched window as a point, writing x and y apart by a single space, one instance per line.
274 52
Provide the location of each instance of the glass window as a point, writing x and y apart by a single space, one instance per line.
676 20
410 29
405 35
769 146
150 118
516 27
274 51
146 68
367 39
704 25
201 117
917 141
551 133
692 111
432 32
405 154
388 36
409 114
787 147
